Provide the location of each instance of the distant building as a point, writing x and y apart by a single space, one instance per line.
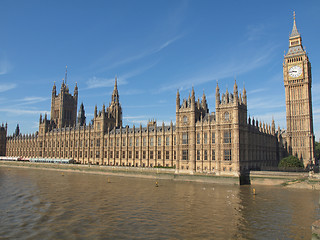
224 142
3 136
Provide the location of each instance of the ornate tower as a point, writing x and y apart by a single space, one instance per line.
115 106
81 116
297 82
64 106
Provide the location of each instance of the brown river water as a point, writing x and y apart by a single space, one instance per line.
40 204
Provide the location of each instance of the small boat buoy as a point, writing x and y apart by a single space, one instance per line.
254 191
109 180
157 185
62 174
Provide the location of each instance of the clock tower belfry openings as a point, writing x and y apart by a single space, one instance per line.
297 82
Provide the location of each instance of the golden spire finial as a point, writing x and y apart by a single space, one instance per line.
294 15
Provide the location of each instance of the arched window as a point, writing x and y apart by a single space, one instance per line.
185 119
227 116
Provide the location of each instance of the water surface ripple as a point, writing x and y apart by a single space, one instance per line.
39 204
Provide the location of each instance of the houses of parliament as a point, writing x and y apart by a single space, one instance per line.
224 142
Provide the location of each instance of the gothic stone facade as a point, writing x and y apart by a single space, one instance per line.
297 82
224 142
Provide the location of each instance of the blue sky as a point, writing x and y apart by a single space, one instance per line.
155 48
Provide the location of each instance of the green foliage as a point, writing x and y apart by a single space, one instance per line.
290 162
317 150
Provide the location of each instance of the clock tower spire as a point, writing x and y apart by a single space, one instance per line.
297 83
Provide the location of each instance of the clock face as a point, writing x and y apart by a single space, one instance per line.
295 71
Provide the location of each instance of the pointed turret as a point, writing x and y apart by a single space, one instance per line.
204 104
95 111
295 41
62 85
244 96
217 95
193 99
75 92
294 32
17 131
178 100
54 89
235 92
273 127
81 116
115 94
227 96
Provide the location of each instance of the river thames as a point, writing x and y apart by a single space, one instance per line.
40 204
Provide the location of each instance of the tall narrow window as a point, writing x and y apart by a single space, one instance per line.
184 138
198 155
213 155
185 119
227 137
205 138
159 141
184 154
213 138
227 155
205 153
198 138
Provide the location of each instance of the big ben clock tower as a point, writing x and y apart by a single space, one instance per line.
297 82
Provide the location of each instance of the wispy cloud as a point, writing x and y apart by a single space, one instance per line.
5 67
238 66
95 82
265 103
122 79
141 55
143 120
19 112
7 86
279 118
146 106
255 32
258 90
31 100
135 117
132 92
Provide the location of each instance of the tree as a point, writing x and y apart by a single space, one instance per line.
290 162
